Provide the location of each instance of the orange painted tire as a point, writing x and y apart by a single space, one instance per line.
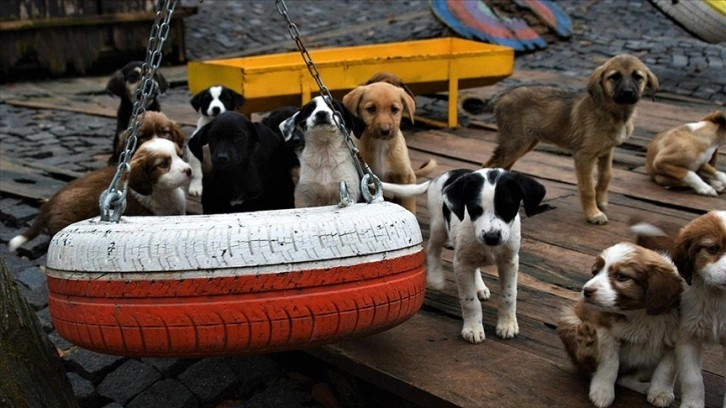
235 283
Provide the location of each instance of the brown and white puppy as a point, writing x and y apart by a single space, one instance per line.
155 125
699 253
685 156
381 106
124 84
588 125
156 187
624 327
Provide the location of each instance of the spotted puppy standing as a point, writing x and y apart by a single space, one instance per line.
484 230
209 103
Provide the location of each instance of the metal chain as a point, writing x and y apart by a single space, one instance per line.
112 202
364 172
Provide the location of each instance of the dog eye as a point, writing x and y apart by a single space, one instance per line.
394 109
616 76
371 109
713 249
637 77
594 270
164 164
621 277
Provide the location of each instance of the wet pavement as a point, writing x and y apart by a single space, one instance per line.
684 65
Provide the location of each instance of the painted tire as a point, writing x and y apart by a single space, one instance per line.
705 19
235 283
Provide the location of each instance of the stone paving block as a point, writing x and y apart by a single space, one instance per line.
37 299
128 380
91 365
169 367
8 232
60 343
679 60
33 278
18 214
45 321
113 405
281 394
209 379
253 372
84 391
165 393
35 247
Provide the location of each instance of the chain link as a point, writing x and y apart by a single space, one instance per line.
364 172
112 201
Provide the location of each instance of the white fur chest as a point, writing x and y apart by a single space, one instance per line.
621 134
165 202
704 314
645 337
703 158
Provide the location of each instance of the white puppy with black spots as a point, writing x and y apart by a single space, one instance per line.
209 103
484 230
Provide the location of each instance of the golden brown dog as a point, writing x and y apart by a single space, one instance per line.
589 125
677 157
381 105
155 124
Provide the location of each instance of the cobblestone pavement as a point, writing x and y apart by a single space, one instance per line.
684 65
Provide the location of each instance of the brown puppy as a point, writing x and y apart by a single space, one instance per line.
381 105
589 125
156 187
155 124
390 78
677 157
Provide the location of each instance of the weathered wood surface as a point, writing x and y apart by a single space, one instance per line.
423 359
31 373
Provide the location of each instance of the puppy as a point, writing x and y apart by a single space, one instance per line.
155 125
124 84
678 156
484 229
250 166
156 182
209 103
295 141
325 159
699 253
624 327
381 105
392 79
589 125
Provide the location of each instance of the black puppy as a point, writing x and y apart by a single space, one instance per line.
124 84
251 166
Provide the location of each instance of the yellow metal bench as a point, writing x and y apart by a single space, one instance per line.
426 66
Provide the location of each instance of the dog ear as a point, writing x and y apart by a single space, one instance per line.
594 84
196 100
663 290
287 126
197 141
409 102
352 122
652 82
681 255
462 193
139 179
237 100
532 194
717 117
352 99
267 140
161 82
116 85
177 134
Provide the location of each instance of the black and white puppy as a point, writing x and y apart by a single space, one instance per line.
124 84
250 166
478 213
325 158
209 103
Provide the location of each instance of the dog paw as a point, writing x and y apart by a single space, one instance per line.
435 280
602 205
660 398
473 333
692 404
602 396
586 336
718 185
706 190
507 328
195 188
483 294
598 219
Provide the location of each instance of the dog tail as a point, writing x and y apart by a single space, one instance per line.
426 168
657 237
30 233
405 190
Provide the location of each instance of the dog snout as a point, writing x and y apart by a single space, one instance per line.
188 172
221 159
588 292
492 237
627 95
322 117
215 110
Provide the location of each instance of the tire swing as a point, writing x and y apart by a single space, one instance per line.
205 285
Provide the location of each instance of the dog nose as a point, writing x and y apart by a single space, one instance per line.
188 172
321 116
215 110
492 237
588 292
222 158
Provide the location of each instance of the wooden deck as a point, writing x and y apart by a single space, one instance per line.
424 360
